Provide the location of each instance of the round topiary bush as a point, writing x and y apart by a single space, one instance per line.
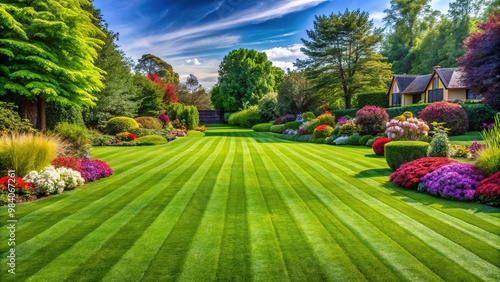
453 115
488 191
409 174
149 122
398 153
378 145
120 124
323 131
262 127
277 128
348 129
364 139
371 120
307 116
353 140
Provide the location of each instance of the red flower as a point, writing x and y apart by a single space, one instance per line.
131 136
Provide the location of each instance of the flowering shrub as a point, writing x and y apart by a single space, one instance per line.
301 131
201 128
474 149
341 121
349 128
164 118
378 145
453 115
21 187
342 140
371 120
53 180
488 190
322 131
289 131
70 177
459 151
326 118
410 129
455 181
409 174
95 169
284 119
125 136
68 162
299 118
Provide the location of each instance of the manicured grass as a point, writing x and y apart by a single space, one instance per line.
238 205
467 138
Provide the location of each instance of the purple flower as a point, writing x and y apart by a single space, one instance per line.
95 169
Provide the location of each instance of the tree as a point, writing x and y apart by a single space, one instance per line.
47 53
168 89
151 64
192 92
295 94
481 61
340 49
244 77
151 103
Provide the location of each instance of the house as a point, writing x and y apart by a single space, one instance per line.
443 84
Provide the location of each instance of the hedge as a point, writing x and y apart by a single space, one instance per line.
262 127
401 152
245 118
379 99
277 128
397 111
479 114
345 112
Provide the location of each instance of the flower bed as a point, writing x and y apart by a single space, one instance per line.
409 174
488 190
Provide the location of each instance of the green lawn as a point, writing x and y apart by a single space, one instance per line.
237 205
467 138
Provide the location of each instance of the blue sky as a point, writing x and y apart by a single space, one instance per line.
194 36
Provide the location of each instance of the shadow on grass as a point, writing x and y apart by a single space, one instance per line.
374 156
374 172
412 196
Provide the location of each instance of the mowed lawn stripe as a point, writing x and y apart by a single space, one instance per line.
377 213
176 246
136 261
331 257
267 260
234 260
203 256
301 264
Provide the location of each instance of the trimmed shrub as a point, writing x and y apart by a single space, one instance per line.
278 128
24 152
120 124
398 153
348 129
326 118
454 181
293 125
371 120
125 136
149 122
187 114
488 160
268 106
139 132
453 115
323 131
262 127
336 130
440 144
246 118
307 116
364 139
409 174
488 191
342 140
150 140
353 140
397 111
479 114
379 99
378 145
370 142
76 136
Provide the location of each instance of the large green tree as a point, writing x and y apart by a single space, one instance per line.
151 64
341 54
192 92
295 94
244 77
47 53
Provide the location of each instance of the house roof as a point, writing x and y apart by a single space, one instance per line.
404 80
418 85
451 77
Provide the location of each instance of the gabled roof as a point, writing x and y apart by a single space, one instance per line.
451 77
418 85
404 80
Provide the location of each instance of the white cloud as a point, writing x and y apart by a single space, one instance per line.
192 62
285 52
377 15
207 73
283 65
440 5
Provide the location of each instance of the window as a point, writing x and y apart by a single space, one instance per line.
469 95
435 83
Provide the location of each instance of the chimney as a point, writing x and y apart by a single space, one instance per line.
436 67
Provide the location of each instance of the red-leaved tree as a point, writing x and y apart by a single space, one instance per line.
168 89
481 61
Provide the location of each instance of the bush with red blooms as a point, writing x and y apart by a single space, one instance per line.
21 187
453 115
322 131
488 190
371 120
408 175
164 118
378 145
67 162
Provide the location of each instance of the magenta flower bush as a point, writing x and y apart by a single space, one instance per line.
164 118
456 181
92 170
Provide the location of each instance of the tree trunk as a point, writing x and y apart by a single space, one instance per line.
42 120
23 108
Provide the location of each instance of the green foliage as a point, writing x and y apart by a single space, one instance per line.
246 118
139 132
120 124
440 144
479 114
348 129
244 77
379 99
10 121
277 128
326 119
149 122
353 140
195 134
268 106
151 97
27 151
307 116
99 139
262 127
401 152
295 94
364 139
397 111
187 114
150 140
345 112
77 136
47 52
226 117
336 130
58 113
488 160
491 136
151 64
293 125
